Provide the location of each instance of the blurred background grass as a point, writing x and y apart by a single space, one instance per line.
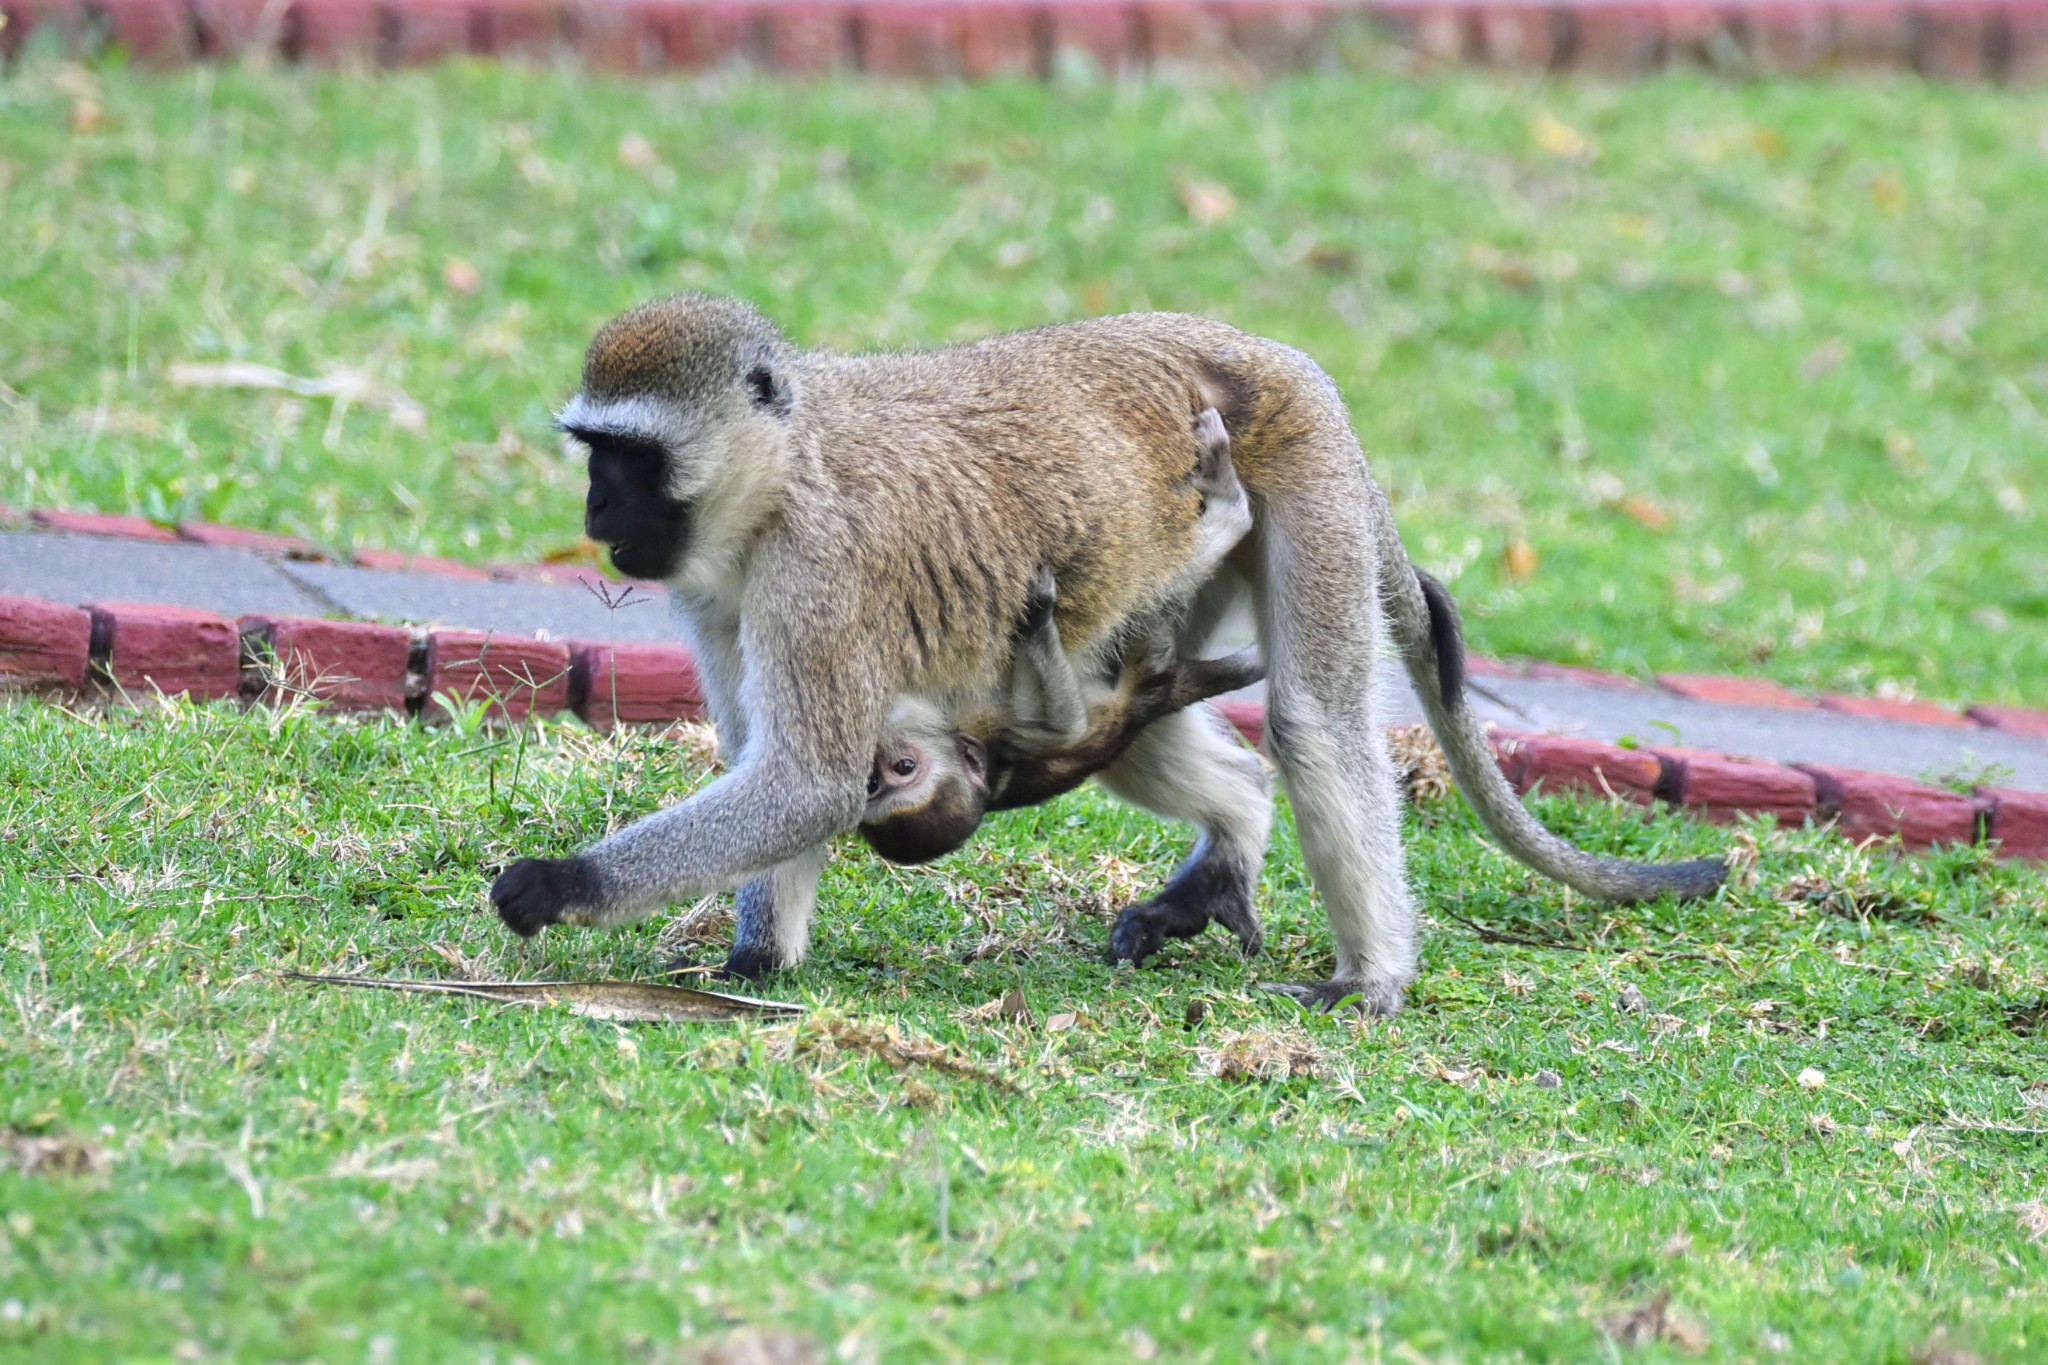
1675 375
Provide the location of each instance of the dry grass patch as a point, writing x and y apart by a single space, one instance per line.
1262 1053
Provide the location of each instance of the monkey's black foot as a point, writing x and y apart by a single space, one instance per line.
1210 890
1373 999
1142 929
748 963
536 892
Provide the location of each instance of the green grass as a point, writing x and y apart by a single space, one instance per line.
274 1171
1807 323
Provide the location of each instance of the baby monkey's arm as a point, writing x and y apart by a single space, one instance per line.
1144 692
1047 710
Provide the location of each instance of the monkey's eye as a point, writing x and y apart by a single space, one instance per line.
874 781
904 767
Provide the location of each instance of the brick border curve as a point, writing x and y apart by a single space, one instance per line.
1720 787
978 39
121 651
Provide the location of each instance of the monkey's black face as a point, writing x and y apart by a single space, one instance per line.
629 507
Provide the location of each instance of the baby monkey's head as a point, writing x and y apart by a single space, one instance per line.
928 788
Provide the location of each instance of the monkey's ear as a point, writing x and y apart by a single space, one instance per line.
974 761
768 383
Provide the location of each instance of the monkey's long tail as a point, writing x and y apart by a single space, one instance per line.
1432 644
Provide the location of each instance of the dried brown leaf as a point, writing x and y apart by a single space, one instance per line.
464 965
707 922
1645 512
1519 561
898 1049
1009 1008
1653 1321
749 1346
1939 1350
1425 772
619 1001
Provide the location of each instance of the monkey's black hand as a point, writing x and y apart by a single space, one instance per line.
536 892
1040 596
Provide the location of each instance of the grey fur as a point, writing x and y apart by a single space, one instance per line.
1047 711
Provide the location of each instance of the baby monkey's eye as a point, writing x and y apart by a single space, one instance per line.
904 766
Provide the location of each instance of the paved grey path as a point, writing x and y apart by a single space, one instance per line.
81 569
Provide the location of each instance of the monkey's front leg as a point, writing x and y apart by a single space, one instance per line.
763 814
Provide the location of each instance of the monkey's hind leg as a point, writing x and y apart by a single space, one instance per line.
772 917
1320 624
1190 766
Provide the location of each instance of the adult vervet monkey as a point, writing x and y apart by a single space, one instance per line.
838 530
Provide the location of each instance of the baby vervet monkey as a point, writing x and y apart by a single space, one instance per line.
935 777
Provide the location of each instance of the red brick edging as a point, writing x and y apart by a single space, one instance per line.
134 651
1720 787
977 39
1727 690
1860 804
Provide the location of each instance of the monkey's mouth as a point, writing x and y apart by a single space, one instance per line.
636 559
651 547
